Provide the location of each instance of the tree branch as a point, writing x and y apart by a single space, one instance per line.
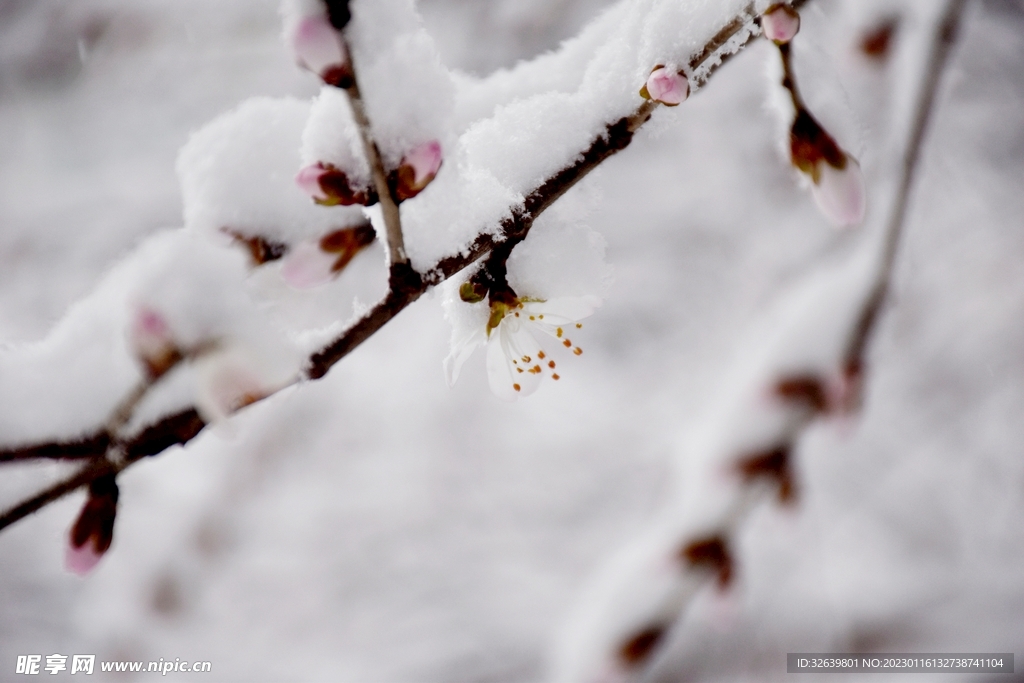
941 48
388 201
180 428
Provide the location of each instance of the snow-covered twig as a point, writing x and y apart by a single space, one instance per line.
388 203
623 624
735 34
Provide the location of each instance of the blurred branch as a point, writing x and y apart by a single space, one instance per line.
180 428
704 553
945 38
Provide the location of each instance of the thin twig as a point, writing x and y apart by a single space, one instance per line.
181 428
941 47
176 429
387 199
85 447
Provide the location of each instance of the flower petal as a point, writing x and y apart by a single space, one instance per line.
561 311
308 180
462 348
839 193
317 45
509 372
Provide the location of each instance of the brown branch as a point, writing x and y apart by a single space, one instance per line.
388 201
86 447
941 48
179 428
406 288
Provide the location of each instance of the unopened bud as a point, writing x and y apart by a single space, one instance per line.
472 292
329 186
152 343
317 46
307 266
666 85
228 380
261 250
780 23
314 263
91 535
839 192
418 168
838 187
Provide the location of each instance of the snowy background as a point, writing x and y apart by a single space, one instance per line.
377 526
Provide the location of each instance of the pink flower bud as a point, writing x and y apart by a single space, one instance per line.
329 185
91 535
307 266
780 23
666 85
317 46
425 161
81 560
418 168
839 192
838 185
152 343
311 264
308 180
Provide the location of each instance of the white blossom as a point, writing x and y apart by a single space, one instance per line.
516 360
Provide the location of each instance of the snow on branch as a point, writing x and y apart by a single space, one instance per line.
605 102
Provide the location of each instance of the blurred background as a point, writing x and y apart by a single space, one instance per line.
377 526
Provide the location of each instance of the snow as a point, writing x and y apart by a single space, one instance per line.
376 525
407 90
237 174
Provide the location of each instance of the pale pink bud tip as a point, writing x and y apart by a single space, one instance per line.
316 45
308 180
667 86
81 560
228 380
839 193
151 341
150 333
307 266
425 161
780 23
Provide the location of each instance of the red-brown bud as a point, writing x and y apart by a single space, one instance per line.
93 531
